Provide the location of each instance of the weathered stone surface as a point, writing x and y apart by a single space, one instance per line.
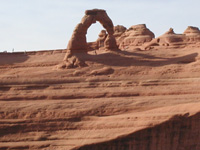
179 133
118 31
101 39
170 38
192 34
78 42
123 100
136 35
192 31
190 37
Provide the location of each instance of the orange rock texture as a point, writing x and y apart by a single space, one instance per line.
136 35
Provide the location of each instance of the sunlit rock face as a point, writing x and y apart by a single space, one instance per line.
192 34
78 40
136 35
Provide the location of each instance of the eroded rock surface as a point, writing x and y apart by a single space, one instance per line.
123 100
118 32
170 38
136 35
190 37
78 42
192 34
102 37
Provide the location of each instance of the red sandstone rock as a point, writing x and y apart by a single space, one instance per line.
78 40
136 35
123 100
192 34
118 31
100 41
170 38
78 43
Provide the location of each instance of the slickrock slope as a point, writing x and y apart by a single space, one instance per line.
122 100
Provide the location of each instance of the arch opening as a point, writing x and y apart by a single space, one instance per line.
93 32
77 47
78 41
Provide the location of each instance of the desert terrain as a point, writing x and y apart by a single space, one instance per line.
143 96
119 94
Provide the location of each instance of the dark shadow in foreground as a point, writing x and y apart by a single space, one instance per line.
179 133
122 58
12 58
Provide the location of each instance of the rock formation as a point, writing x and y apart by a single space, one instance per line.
118 31
192 34
139 36
136 35
170 38
78 41
101 39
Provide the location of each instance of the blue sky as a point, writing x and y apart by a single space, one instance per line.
48 24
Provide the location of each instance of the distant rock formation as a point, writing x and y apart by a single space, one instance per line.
136 35
192 34
118 31
130 38
78 41
101 39
169 38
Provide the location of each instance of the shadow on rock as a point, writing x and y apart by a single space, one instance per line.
122 58
12 58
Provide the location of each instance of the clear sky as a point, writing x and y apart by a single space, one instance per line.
48 24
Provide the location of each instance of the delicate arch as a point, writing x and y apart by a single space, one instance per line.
78 40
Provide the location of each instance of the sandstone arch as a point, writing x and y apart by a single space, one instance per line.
77 46
78 40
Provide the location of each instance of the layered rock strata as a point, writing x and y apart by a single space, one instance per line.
192 34
136 35
170 38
